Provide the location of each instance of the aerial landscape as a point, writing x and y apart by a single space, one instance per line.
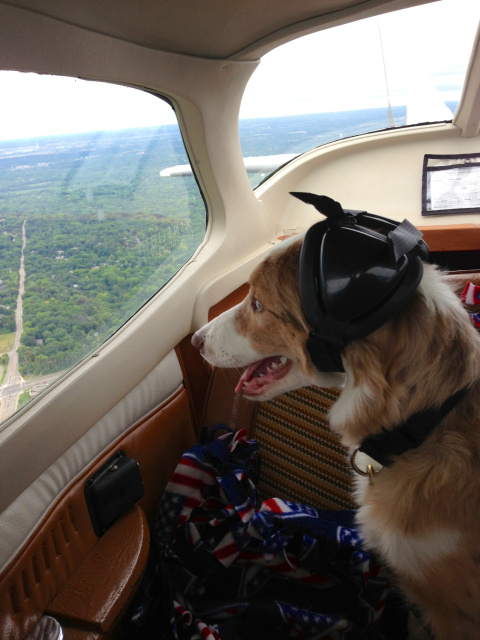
96 232
103 232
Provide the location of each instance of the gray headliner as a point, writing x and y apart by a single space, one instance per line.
219 29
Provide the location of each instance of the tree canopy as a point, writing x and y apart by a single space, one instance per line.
104 232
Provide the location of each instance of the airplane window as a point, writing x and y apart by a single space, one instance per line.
89 228
402 68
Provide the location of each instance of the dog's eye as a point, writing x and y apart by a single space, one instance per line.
257 305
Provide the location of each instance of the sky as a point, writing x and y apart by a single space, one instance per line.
425 49
346 69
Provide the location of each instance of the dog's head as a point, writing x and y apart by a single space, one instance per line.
267 332
312 295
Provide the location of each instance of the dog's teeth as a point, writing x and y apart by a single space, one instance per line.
283 359
262 375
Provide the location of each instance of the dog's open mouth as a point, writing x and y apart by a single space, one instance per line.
261 374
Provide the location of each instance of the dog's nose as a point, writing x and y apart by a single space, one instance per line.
197 340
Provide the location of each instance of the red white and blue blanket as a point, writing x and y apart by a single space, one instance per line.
226 565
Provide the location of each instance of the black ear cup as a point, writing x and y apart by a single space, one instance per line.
357 270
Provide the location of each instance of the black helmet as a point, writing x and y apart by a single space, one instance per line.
357 270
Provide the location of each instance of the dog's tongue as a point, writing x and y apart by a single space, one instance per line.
261 373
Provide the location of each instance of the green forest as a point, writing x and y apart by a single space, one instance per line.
104 232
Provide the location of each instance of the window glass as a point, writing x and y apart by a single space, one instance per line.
402 68
89 228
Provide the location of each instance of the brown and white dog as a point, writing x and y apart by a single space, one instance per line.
422 513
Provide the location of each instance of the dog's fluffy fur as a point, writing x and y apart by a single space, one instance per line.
422 514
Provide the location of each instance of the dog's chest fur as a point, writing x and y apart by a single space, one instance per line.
408 550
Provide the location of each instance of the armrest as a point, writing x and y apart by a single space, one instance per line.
99 591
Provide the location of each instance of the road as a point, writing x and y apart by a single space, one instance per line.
13 384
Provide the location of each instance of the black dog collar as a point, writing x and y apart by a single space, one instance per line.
386 446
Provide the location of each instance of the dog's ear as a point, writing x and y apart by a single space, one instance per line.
364 360
323 204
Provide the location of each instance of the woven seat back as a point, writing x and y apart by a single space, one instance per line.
302 459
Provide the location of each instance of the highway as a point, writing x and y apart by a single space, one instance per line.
13 384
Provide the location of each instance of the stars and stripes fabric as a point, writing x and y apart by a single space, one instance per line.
227 565
471 296
475 320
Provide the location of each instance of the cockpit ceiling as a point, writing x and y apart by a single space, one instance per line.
221 29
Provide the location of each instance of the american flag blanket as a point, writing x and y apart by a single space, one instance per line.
471 297
227 565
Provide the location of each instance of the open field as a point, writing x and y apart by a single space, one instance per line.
6 342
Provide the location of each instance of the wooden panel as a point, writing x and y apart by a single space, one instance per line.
452 237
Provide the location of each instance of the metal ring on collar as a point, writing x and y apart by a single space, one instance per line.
370 472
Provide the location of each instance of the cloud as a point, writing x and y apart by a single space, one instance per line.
350 67
34 105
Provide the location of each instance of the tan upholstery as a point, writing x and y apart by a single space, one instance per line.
66 538
99 591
